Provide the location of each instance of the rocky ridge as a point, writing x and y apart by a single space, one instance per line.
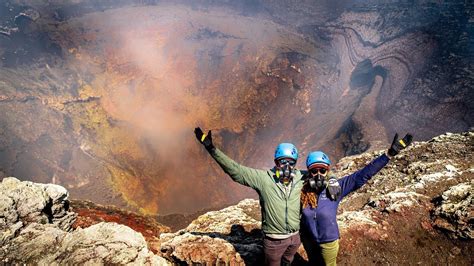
422 193
418 209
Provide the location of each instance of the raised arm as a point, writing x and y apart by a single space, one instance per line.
241 174
359 178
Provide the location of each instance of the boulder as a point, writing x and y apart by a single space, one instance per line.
22 203
27 201
103 243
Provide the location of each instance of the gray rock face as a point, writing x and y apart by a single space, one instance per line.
28 201
22 203
36 227
103 243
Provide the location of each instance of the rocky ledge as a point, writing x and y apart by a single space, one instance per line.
36 227
417 210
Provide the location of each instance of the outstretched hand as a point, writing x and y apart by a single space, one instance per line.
398 145
334 189
204 139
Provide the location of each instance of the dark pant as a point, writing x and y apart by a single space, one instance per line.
280 251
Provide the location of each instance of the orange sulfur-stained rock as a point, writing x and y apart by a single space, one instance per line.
90 213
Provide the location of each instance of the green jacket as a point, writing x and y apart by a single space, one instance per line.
280 213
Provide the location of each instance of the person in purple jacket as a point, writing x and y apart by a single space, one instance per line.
320 198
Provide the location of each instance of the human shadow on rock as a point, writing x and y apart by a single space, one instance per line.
248 244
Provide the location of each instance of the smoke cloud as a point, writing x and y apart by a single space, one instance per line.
165 73
122 84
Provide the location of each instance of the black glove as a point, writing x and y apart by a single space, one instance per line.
205 140
398 145
334 189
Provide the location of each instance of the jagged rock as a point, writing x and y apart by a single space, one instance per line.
59 206
423 180
222 221
230 236
351 218
89 213
29 202
28 13
422 169
448 136
7 209
34 243
103 243
396 200
36 228
394 207
454 212
7 31
9 232
194 248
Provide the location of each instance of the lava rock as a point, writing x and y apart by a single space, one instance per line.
36 228
27 202
104 243
230 235
455 212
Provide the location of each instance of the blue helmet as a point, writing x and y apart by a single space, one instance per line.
286 150
317 157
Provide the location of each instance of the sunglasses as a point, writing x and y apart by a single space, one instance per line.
286 161
321 171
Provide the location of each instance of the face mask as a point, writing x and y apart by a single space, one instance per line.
285 172
317 182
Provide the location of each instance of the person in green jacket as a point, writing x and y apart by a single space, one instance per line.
279 190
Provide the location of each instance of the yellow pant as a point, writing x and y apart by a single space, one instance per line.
321 254
329 252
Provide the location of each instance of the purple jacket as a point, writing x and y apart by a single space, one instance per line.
320 222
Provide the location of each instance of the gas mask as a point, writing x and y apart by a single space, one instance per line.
285 170
317 178
317 182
